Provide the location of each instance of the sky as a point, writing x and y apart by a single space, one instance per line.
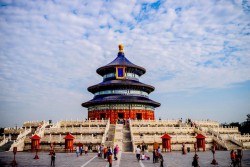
196 53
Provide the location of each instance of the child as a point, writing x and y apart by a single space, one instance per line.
77 151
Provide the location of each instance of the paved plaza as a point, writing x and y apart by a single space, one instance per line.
173 159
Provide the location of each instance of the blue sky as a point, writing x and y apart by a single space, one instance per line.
196 54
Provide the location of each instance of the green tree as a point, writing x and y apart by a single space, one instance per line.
245 126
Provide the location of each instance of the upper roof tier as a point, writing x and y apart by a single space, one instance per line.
120 60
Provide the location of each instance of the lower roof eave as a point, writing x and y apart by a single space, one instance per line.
89 103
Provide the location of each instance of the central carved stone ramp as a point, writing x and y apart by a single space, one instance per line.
127 145
110 137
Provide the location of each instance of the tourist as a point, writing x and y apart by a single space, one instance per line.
90 148
142 156
161 160
77 150
154 156
110 160
101 149
240 155
236 159
143 147
159 149
146 148
233 158
105 152
195 161
117 149
138 152
109 151
97 147
81 150
53 158
86 150
183 149
115 153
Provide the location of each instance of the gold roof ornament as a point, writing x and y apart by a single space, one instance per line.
121 47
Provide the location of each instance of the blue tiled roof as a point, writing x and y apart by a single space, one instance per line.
121 60
120 83
117 98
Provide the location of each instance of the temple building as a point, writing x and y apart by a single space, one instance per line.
121 95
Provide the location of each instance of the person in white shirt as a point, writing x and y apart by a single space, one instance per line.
138 153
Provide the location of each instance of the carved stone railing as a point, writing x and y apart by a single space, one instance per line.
77 138
83 122
76 130
226 129
220 142
155 122
5 140
32 123
132 135
105 132
217 138
243 138
215 134
206 123
19 143
57 125
234 140
169 130
40 130
13 130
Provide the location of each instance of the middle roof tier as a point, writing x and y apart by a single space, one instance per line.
121 84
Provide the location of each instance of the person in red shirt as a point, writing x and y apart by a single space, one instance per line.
105 150
110 160
233 158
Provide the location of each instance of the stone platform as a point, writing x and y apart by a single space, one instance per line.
173 159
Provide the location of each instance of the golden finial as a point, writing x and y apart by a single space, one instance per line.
121 47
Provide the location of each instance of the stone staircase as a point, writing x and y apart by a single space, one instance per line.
110 136
127 145
231 146
6 146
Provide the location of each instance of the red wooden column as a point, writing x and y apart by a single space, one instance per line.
35 142
201 141
166 142
69 142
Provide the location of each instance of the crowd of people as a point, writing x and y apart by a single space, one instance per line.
107 153
157 156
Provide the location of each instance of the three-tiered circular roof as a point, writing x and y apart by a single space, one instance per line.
120 84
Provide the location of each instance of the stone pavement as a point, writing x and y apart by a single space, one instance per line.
173 159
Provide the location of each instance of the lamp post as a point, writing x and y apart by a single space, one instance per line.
214 162
14 163
195 147
36 156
